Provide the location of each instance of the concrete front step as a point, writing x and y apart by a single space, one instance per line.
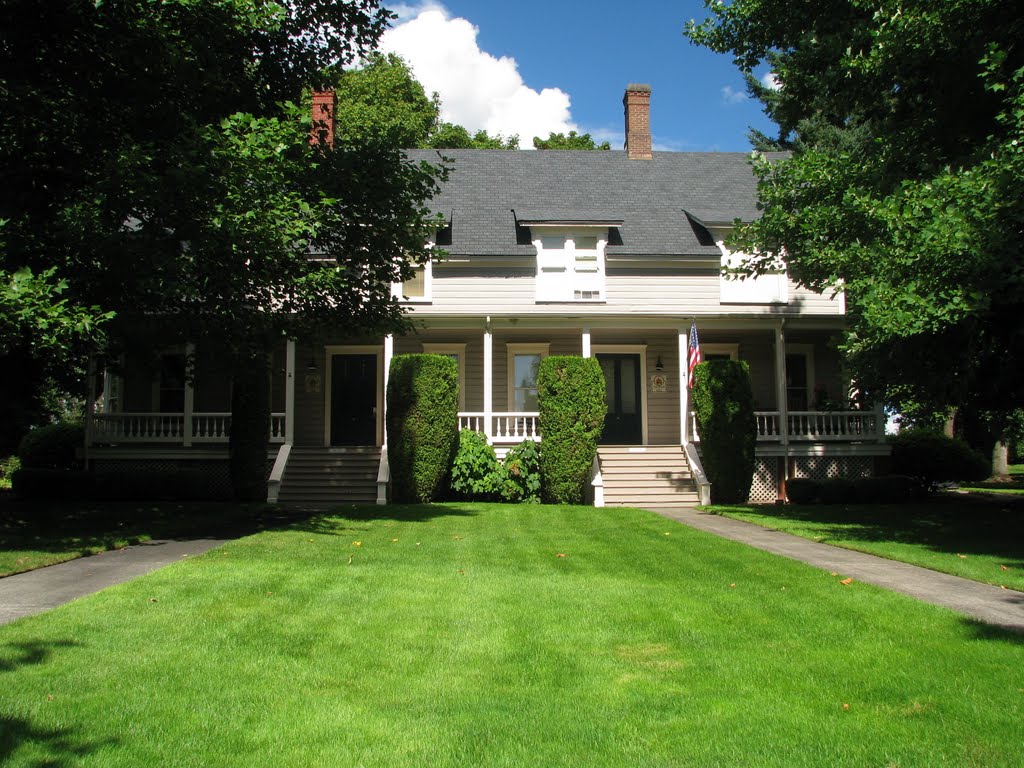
325 477
651 476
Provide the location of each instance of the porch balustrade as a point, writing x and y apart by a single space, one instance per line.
205 427
816 426
506 427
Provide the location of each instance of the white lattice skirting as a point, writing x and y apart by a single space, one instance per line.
765 483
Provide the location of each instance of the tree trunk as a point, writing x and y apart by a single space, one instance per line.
250 426
949 428
1000 461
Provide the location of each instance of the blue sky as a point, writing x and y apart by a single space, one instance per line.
533 67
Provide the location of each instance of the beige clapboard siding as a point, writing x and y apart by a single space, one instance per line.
506 290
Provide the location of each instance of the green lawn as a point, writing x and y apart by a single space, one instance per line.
488 635
33 535
977 536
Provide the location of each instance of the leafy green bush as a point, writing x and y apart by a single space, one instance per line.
53 484
476 473
120 485
803 490
933 458
54 446
723 402
422 416
570 395
887 489
838 490
8 467
521 474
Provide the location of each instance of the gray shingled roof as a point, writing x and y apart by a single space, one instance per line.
650 197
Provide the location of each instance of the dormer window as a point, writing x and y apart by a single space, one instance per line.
570 263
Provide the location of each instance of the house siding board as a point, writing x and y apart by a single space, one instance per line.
651 289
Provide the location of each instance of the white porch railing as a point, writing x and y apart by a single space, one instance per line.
816 426
506 427
205 427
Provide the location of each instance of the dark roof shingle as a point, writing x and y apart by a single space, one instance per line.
650 197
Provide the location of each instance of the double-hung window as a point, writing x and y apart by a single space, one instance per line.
523 365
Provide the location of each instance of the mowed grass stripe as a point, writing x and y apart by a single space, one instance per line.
456 635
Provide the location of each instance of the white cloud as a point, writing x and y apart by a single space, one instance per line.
731 96
477 89
770 80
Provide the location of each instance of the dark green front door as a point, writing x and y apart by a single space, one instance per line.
622 393
353 400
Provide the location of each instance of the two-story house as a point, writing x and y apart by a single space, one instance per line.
614 255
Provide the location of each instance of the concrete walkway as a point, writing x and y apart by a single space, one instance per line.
26 594
993 605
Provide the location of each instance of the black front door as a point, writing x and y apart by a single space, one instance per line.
622 395
353 400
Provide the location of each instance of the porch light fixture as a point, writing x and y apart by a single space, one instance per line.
311 366
659 366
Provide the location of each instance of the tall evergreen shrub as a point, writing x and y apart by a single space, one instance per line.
422 418
570 394
723 402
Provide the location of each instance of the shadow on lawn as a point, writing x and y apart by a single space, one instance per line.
47 746
1007 634
947 524
333 521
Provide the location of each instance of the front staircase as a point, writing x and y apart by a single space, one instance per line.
653 477
323 477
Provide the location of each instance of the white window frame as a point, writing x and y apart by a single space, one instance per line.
732 350
768 288
428 286
517 348
459 350
584 273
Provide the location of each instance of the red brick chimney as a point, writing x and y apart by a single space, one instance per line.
322 131
637 102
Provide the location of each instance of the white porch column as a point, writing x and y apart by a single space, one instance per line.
586 342
488 379
684 389
780 382
190 393
289 392
389 352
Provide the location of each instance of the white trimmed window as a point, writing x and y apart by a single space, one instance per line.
523 364
720 351
456 352
769 288
418 288
570 264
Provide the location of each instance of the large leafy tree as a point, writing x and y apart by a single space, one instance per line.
156 168
905 186
572 140
382 96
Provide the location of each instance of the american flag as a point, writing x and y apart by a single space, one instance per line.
694 353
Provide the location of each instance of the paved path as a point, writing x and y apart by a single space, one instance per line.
993 605
25 594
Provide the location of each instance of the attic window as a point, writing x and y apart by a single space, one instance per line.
444 235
